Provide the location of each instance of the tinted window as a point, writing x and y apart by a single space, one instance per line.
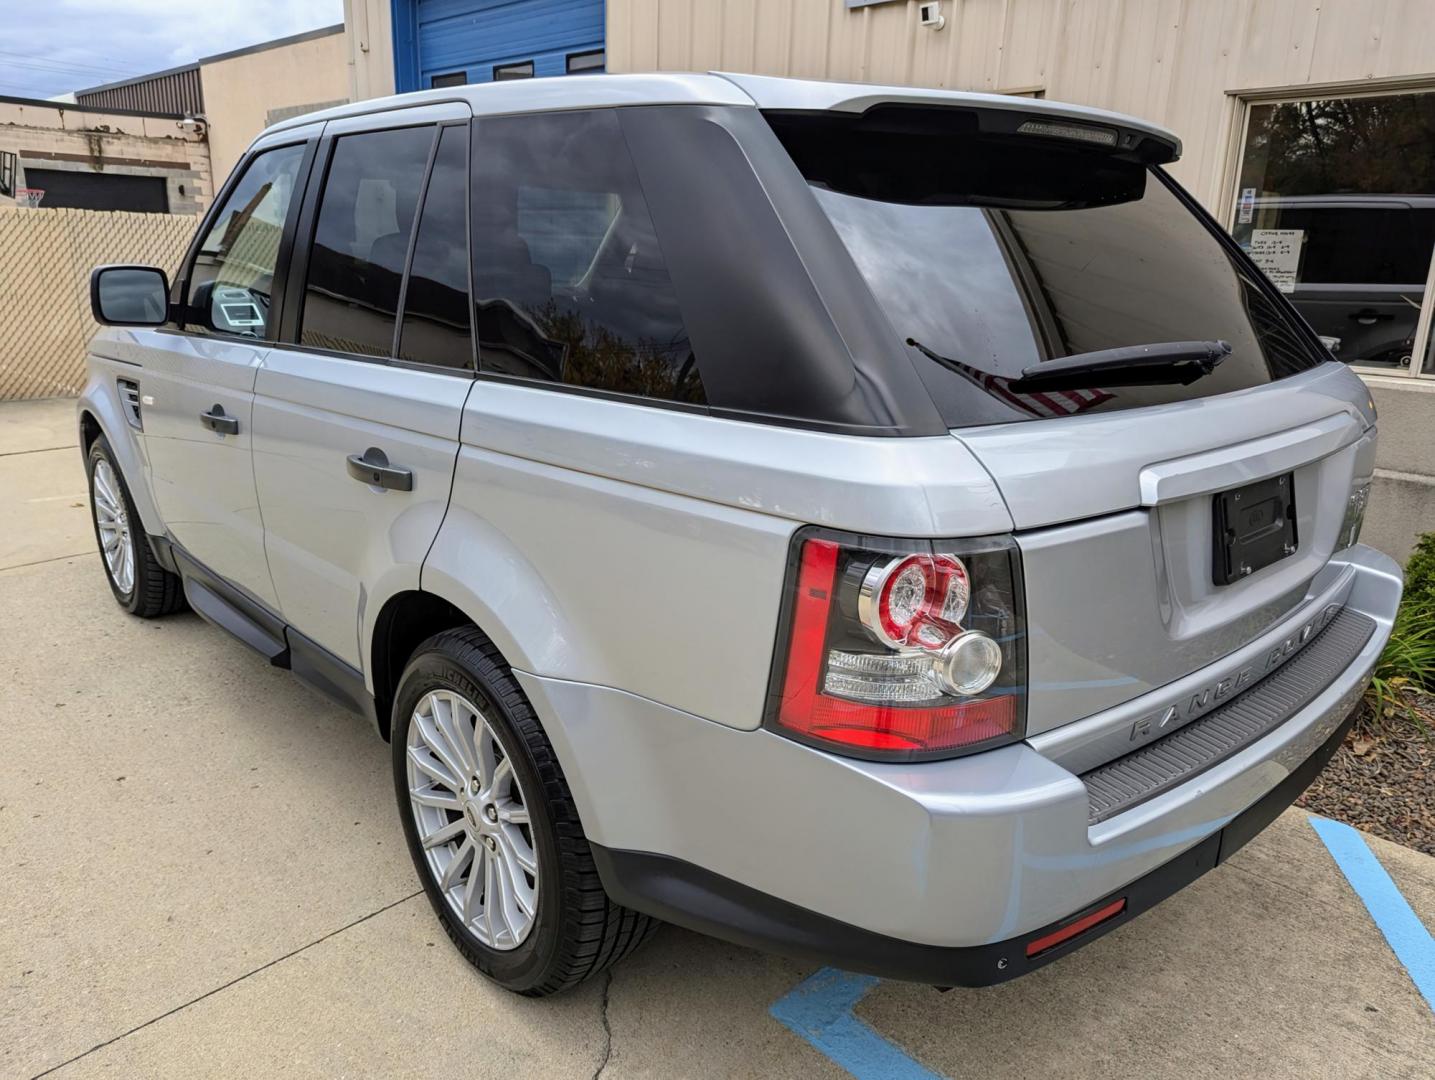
991 254
232 277
361 240
1351 245
521 70
569 278
453 78
436 309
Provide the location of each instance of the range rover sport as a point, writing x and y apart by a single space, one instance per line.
893 527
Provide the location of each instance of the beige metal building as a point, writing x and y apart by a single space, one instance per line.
240 93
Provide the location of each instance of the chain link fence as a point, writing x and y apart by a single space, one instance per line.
45 262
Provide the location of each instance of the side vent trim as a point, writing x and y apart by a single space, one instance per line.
130 398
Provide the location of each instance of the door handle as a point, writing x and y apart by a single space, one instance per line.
215 420
1369 316
372 467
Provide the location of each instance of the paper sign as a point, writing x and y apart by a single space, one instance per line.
1248 206
1277 253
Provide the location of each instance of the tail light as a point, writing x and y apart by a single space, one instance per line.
900 649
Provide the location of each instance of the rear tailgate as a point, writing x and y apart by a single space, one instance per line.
1115 521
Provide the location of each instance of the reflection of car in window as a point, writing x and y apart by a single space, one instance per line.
1362 265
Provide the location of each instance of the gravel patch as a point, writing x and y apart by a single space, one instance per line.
1382 779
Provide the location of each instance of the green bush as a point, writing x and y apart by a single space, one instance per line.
1420 570
1408 661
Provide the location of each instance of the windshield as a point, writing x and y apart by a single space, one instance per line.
990 255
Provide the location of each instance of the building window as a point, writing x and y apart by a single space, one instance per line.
452 78
587 63
521 70
1335 201
7 174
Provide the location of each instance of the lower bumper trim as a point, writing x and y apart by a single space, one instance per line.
690 896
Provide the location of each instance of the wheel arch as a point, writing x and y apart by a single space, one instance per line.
98 413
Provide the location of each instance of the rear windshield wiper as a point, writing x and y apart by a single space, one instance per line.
1161 363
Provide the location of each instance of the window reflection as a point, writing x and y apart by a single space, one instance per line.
569 278
362 240
436 312
1336 203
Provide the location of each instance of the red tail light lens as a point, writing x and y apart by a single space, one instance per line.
903 650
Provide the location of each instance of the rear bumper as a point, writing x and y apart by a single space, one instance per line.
690 896
934 871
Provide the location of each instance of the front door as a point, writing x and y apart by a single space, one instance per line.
356 415
197 383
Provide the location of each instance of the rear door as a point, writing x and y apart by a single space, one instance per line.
197 383
357 409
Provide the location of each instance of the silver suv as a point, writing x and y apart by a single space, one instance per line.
891 527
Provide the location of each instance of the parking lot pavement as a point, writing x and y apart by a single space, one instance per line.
202 872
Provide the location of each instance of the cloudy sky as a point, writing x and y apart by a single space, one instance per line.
51 47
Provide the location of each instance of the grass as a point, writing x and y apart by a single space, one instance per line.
1408 662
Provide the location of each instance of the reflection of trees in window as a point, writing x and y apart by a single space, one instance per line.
1368 145
550 341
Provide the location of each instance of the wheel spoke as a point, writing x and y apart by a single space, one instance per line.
439 745
455 865
451 726
489 900
480 855
502 775
516 853
424 762
510 908
436 797
445 834
488 765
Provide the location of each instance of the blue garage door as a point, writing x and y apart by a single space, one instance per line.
450 42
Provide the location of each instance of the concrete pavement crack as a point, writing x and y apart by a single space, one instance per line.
607 1026
41 562
37 450
232 982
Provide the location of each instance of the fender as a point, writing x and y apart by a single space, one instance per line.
480 571
100 399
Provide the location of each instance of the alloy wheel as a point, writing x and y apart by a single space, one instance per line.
113 522
472 819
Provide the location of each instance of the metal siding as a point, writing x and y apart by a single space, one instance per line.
175 93
1171 61
435 37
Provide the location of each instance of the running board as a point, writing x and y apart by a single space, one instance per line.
220 605
218 602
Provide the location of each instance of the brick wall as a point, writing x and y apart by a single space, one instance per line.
45 262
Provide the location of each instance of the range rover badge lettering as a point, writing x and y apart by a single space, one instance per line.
1197 704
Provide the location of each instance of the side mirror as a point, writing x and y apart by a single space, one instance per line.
129 296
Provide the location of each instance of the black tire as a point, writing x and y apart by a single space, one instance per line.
155 591
578 930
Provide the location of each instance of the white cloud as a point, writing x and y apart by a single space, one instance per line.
54 46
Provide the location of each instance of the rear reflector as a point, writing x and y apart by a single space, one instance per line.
1075 929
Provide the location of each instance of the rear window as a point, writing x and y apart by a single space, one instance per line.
993 253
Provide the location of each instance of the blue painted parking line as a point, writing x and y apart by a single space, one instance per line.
820 1010
1406 934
